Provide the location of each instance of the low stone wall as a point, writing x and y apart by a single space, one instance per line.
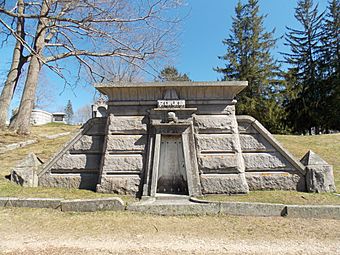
14 146
92 205
53 203
314 211
192 207
79 205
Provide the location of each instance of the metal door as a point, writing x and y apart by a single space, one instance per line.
172 177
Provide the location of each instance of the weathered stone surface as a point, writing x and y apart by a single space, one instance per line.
89 143
97 129
78 161
244 127
123 185
252 209
75 181
92 205
129 124
320 179
123 163
175 209
222 123
319 176
263 161
224 184
14 146
126 142
314 211
25 173
213 163
55 135
253 143
215 142
275 181
53 203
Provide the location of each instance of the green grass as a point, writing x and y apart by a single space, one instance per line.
327 146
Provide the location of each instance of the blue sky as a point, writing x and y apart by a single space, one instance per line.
200 44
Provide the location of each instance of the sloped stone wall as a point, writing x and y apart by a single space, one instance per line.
77 164
267 165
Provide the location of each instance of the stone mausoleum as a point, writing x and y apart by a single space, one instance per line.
176 138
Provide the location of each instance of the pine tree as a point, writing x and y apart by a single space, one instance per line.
303 106
330 67
170 73
69 112
248 58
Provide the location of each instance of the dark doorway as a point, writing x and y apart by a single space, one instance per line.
172 177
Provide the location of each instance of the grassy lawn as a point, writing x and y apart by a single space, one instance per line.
279 197
327 146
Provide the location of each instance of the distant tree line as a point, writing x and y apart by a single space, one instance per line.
304 97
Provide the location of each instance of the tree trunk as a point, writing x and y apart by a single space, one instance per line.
18 61
22 124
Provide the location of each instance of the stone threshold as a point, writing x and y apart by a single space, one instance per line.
178 206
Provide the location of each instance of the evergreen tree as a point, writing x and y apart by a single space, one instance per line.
170 73
303 105
69 112
248 58
330 67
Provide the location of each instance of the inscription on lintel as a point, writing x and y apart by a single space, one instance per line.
171 103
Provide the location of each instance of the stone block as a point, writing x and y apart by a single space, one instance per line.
89 143
123 163
252 209
245 127
224 184
253 142
98 126
76 181
126 142
319 174
314 211
175 209
25 173
123 185
92 205
217 163
77 161
263 161
53 203
276 181
320 179
127 124
215 123
215 142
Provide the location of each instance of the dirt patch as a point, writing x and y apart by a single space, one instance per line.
34 231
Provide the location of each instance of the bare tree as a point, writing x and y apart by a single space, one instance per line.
83 114
83 32
18 60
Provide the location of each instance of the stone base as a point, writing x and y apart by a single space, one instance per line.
275 181
320 179
76 181
123 185
224 184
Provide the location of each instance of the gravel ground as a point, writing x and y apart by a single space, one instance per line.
42 231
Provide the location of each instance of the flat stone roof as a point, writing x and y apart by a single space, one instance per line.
241 84
153 91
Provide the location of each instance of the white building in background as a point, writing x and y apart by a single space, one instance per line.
40 117
59 117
